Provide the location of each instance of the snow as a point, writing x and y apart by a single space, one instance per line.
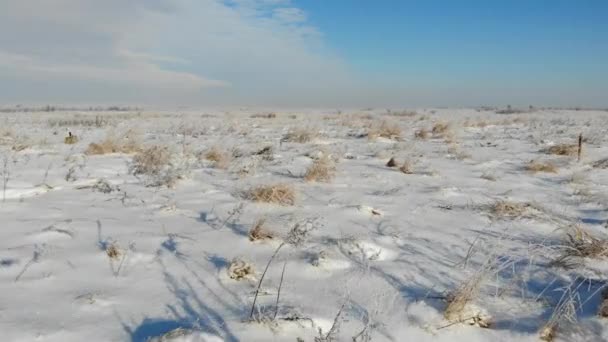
384 246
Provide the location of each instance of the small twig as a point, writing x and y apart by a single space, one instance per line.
456 322
257 291
276 309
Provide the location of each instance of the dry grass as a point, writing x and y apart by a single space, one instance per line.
562 150
281 194
70 140
579 244
537 166
386 129
300 135
440 128
221 159
263 116
258 232
508 209
113 251
127 143
240 269
151 161
407 168
421 134
603 309
458 310
321 170
601 164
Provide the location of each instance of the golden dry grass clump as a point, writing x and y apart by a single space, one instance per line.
259 232
386 129
440 128
509 209
581 244
113 251
536 166
562 150
321 170
281 194
220 159
127 143
300 135
70 139
151 160
421 134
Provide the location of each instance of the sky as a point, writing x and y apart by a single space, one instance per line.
304 53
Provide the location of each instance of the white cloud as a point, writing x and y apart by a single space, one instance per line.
220 52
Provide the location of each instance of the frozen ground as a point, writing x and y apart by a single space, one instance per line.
91 252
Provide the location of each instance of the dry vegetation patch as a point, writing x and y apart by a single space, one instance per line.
259 232
562 150
221 159
321 170
281 194
127 143
151 161
579 244
300 135
509 209
386 129
240 269
440 128
421 134
537 166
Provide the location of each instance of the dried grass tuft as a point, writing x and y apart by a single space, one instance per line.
321 170
220 158
127 143
151 161
281 194
386 129
70 140
562 150
300 135
113 251
509 209
258 232
421 134
537 166
579 244
240 269
440 128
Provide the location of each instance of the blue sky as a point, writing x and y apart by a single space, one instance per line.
305 53
534 41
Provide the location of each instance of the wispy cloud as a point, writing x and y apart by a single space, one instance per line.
226 52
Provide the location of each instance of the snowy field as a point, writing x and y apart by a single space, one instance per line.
159 226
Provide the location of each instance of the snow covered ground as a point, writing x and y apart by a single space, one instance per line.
96 247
